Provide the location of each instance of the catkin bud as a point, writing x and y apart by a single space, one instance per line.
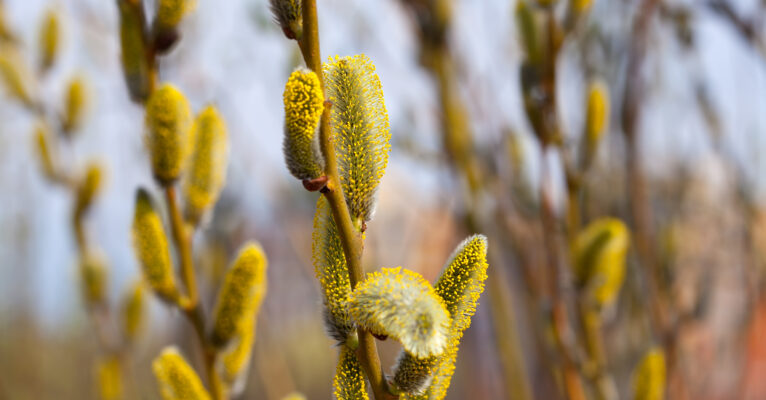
88 187
177 380
168 132
15 75
241 295
133 45
206 172
43 152
303 100
359 121
597 115
349 381
599 255
110 378
234 361
133 311
331 271
151 246
75 102
460 285
171 12
649 377
49 39
401 304
94 274
288 15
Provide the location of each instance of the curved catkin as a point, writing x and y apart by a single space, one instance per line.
171 12
349 381
50 33
176 379
359 121
241 294
650 375
460 285
93 275
401 304
168 132
597 113
206 171
133 311
234 361
133 47
331 271
110 378
288 15
88 187
303 101
599 255
75 101
151 247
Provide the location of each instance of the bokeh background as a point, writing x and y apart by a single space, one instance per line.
701 133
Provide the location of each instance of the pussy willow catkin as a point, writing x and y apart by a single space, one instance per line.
177 380
168 132
289 17
303 100
349 382
599 255
151 247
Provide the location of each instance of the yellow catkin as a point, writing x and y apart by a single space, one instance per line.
171 12
581 5
359 121
88 187
303 101
349 382
151 247
133 311
50 33
168 132
133 46
401 304
15 75
176 379
331 271
43 151
241 294
597 113
460 285
75 102
110 385
599 255
93 276
206 171
294 396
288 15
650 375
234 361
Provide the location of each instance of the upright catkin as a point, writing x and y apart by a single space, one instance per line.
110 383
43 151
93 273
49 39
599 253
360 128
151 247
243 290
206 171
234 361
177 380
133 311
303 100
171 12
650 375
349 381
133 45
597 112
88 187
168 132
75 101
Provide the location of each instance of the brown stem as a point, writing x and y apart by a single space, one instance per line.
350 237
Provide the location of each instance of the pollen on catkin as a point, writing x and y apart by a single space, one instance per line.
303 101
133 311
400 304
331 271
349 382
75 102
597 113
151 247
599 255
176 379
650 375
133 45
359 122
234 360
206 170
110 378
288 15
168 132
171 12
241 294
460 285
50 33
93 275
88 187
